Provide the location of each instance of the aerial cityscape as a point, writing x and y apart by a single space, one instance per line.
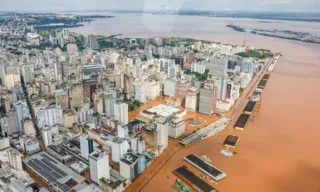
113 101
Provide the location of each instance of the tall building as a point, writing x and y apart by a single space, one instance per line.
131 165
207 100
248 65
109 103
181 89
121 112
218 66
119 147
14 157
152 87
176 127
140 92
169 87
84 112
28 126
163 132
91 42
22 112
62 98
128 85
47 136
9 124
12 77
76 95
168 67
99 166
49 116
228 91
198 67
179 60
29 144
27 72
86 146
192 99
4 143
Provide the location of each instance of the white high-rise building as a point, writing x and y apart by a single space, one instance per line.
121 112
192 99
198 67
169 87
163 132
218 66
109 102
119 148
86 146
152 88
14 157
140 92
176 127
11 77
99 166
168 66
4 143
47 137
49 116
22 112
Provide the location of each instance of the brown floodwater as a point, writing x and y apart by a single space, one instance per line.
279 151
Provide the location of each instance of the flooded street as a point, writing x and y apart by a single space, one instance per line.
279 151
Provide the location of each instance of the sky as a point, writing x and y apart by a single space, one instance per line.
227 5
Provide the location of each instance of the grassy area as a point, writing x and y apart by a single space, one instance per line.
241 90
255 54
44 33
134 104
199 76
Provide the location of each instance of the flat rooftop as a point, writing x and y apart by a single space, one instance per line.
191 179
163 110
262 84
249 107
242 121
205 167
231 141
54 172
266 76
79 166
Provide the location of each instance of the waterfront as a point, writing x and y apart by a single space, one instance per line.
278 152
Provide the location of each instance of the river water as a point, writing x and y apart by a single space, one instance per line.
279 151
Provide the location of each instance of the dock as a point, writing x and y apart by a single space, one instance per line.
231 141
205 167
262 84
242 121
249 107
192 180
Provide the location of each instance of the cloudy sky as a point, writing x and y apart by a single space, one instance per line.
236 5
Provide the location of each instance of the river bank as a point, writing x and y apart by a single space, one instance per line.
274 152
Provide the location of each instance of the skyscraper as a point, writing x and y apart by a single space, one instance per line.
208 100
86 146
23 113
119 147
14 157
163 132
121 112
99 166
109 102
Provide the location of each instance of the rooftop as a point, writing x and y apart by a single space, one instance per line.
163 110
53 171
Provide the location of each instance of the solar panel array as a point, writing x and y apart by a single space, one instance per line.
49 171
48 158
